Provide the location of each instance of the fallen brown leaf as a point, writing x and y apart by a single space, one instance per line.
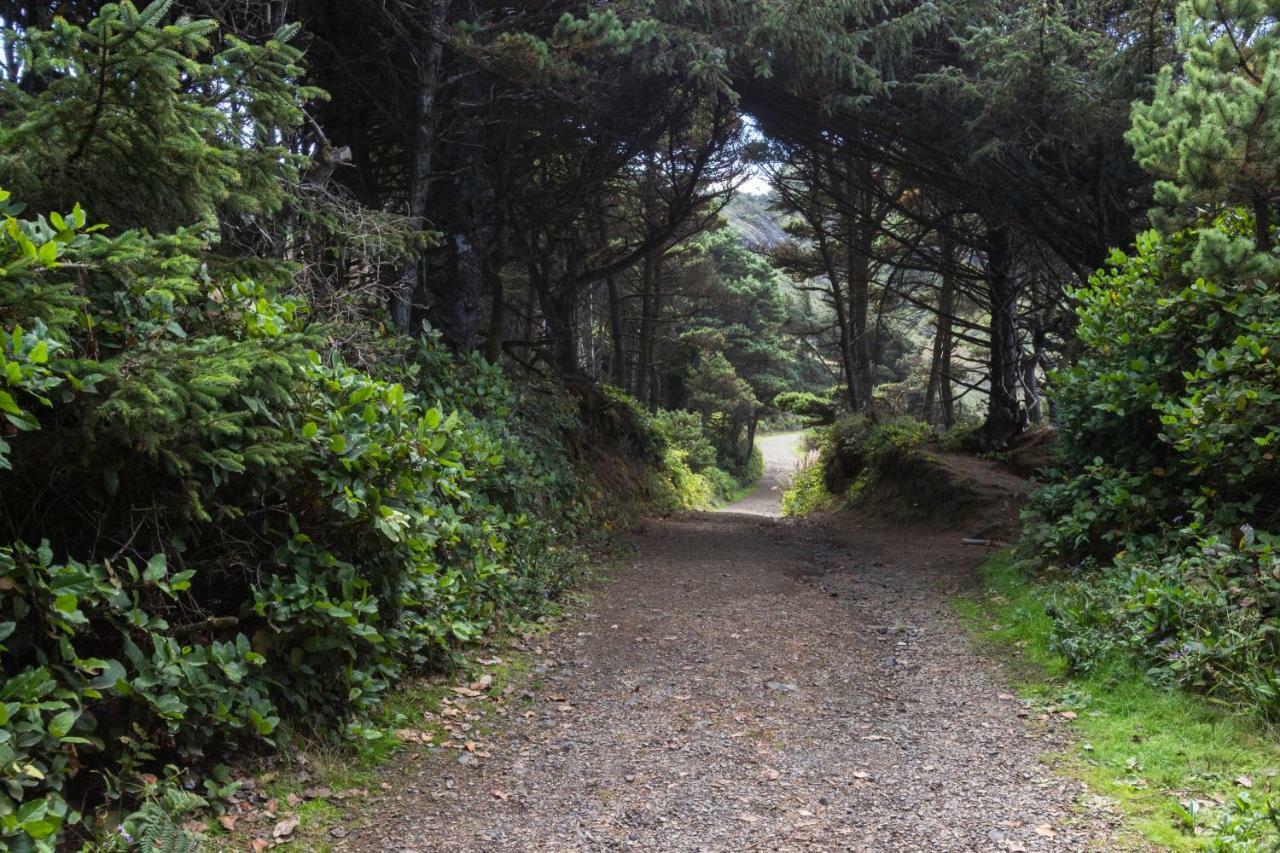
285 828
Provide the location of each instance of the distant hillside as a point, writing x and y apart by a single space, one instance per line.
750 215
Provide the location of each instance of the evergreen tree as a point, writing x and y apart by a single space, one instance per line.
1211 133
147 122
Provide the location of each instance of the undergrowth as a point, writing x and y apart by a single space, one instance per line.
1164 508
848 456
1187 773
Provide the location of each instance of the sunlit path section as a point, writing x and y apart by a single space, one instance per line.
781 460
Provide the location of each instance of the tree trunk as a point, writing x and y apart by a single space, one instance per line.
1262 224
560 309
650 308
495 337
618 359
1006 418
461 294
559 312
947 308
859 235
421 151
1030 370
842 318
939 390
751 436
859 301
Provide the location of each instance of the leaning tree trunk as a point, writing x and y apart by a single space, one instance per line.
859 303
560 312
947 307
840 307
650 275
1030 371
617 343
1006 418
618 359
495 337
650 308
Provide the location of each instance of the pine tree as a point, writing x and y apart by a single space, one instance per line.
149 122
1211 133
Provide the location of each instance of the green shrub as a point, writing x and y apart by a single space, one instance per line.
964 438
723 485
1172 413
850 454
811 409
1201 616
688 488
754 468
1169 423
807 493
696 469
223 513
684 431
226 524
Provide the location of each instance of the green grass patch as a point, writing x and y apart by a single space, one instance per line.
1187 774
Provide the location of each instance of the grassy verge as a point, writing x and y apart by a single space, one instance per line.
1188 775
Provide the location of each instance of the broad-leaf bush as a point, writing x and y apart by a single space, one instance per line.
215 522
1170 422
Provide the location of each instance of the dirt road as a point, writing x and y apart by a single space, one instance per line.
750 683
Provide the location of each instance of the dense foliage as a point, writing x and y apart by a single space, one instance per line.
850 456
325 328
1166 504
227 502
222 523
1169 429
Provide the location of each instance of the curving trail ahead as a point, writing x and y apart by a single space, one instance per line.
781 452
749 683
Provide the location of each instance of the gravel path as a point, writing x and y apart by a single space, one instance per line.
782 459
755 684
